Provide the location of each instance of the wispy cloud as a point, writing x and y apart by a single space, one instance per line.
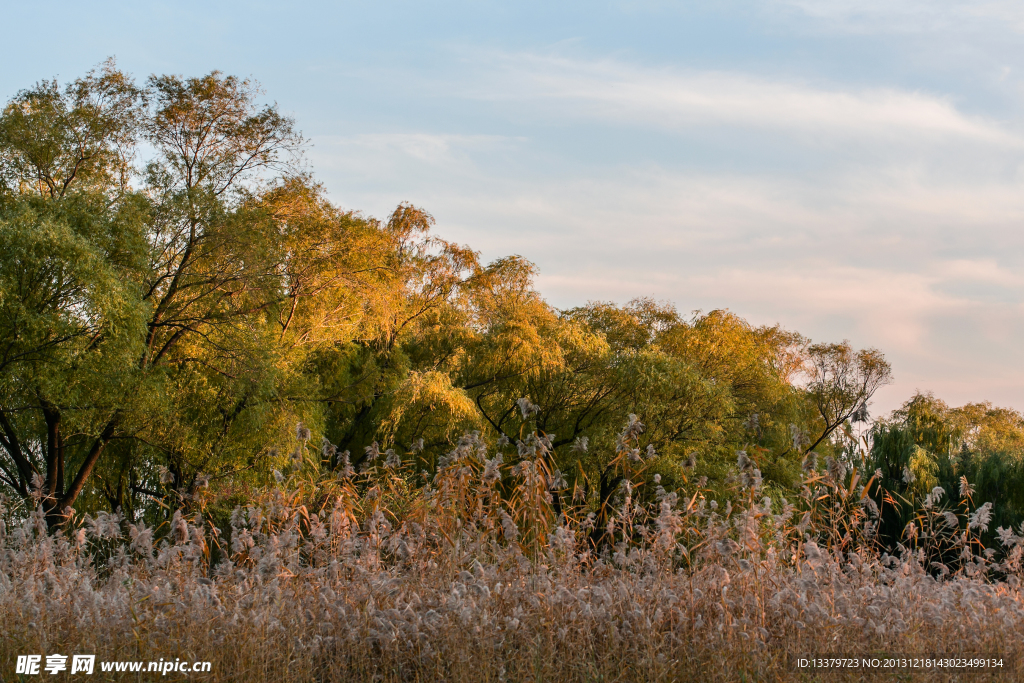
681 99
432 148
912 16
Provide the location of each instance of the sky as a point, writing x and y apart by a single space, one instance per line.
846 169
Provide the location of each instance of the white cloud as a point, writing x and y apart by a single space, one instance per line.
912 16
435 149
986 270
676 99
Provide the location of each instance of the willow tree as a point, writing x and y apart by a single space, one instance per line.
383 383
117 301
74 251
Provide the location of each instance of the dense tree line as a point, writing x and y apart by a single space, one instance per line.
177 293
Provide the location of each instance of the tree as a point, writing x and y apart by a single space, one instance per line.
96 265
83 137
926 443
842 381
69 309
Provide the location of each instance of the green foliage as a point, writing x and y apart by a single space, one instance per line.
55 141
976 452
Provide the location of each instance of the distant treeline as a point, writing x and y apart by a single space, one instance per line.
177 293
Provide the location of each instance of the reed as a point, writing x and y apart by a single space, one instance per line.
489 571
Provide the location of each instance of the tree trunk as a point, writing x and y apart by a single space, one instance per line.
85 470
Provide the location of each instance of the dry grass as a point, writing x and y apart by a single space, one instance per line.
475 578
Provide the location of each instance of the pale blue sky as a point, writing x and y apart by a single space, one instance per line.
847 169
